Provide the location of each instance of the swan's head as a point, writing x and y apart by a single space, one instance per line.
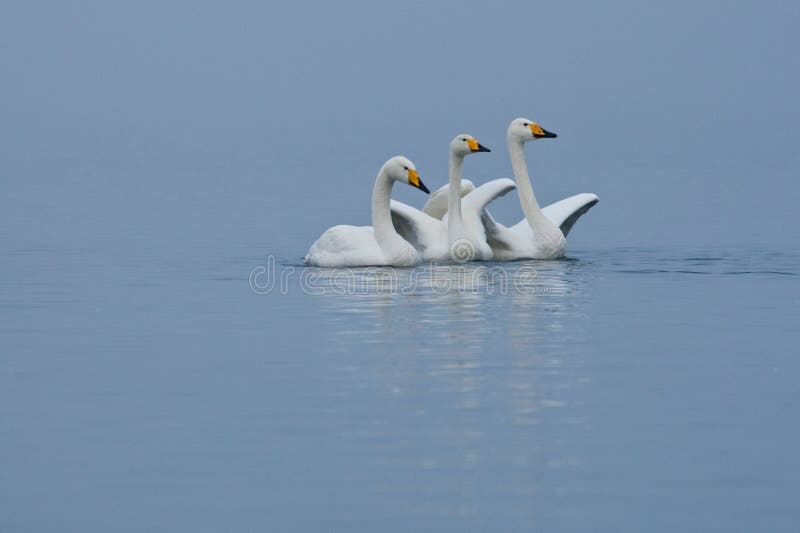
465 144
403 170
525 130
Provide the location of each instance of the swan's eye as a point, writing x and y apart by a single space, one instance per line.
405 168
525 124
464 140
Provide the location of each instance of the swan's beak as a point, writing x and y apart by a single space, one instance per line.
413 179
475 146
541 133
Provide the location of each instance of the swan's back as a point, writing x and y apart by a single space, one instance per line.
345 246
356 246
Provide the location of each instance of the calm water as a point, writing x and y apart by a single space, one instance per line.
145 386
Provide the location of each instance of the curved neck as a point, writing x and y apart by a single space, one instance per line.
381 214
527 200
454 218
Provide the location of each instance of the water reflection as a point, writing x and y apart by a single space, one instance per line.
467 364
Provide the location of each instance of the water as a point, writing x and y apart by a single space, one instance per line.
145 385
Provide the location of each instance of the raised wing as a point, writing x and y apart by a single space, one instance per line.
475 202
566 212
419 229
436 206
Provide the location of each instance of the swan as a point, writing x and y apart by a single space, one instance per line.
376 245
542 233
459 236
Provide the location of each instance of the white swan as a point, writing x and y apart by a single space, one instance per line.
460 235
542 233
342 246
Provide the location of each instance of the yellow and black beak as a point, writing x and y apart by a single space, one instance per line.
541 133
475 146
413 179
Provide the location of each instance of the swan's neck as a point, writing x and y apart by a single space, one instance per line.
381 214
527 200
454 218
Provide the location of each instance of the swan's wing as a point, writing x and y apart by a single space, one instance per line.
342 239
436 206
475 202
478 219
566 212
413 225
498 237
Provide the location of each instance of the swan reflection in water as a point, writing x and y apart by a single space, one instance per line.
464 371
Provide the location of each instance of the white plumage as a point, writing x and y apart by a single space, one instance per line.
379 244
542 233
457 235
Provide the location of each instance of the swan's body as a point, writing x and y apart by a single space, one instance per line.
379 244
459 236
542 233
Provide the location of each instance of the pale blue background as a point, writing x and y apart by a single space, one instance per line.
152 154
683 114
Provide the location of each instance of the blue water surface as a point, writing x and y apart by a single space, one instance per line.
154 378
